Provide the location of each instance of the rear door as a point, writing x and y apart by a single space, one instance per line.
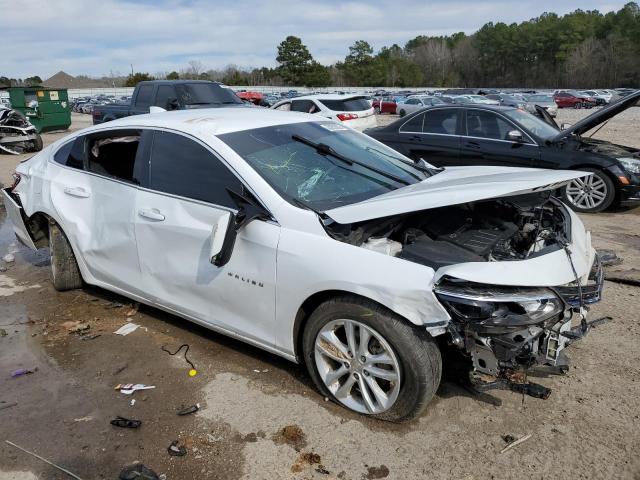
485 141
93 187
186 194
432 135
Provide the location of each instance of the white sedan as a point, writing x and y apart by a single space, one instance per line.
354 111
417 102
317 243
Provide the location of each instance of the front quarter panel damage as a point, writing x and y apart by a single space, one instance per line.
309 264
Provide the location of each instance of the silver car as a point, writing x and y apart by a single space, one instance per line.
417 102
543 100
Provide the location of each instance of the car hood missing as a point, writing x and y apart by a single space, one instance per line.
455 185
599 117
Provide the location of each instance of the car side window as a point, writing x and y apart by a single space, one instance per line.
145 96
181 166
113 154
305 106
411 101
414 125
442 121
165 93
71 154
284 107
485 124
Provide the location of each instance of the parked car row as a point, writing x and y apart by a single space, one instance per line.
86 104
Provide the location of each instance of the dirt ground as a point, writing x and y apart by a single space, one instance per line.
261 418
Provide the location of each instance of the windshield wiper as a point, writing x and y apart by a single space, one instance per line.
421 168
324 149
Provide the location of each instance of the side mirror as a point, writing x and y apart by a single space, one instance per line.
172 104
225 230
515 136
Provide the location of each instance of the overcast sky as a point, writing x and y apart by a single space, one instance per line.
40 37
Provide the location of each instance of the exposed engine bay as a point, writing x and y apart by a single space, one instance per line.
502 331
513 228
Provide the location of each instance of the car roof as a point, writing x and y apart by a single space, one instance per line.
476 106
328 96
215 121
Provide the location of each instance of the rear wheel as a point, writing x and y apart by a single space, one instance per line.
371 361
65 273
577 105
590 194
402 113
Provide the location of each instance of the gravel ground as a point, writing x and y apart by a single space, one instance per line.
260 416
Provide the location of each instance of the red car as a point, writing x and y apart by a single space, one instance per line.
253 97
384 105
573 100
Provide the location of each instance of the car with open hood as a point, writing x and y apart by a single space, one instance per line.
503 136
306 238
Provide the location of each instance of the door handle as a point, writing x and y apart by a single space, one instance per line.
151 214
77 192
415 138
475 145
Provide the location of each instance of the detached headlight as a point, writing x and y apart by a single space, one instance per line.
503 306
631 165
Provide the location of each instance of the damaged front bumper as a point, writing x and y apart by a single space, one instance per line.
505 331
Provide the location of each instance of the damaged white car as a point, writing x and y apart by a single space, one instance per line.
313 241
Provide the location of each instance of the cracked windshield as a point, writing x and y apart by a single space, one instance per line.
322 165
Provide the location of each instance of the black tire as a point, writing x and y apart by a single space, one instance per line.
37 144
376 110
402 113
608 200
65 273
417 352
577 105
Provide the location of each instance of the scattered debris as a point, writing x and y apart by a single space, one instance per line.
91 337
8 405
3 332
120 369
44 460
23 371
127 328
193 372
88 418
9 258
125 422
291 435
509 439
3 268
137 471
129 388
609 258
188 410
133 402
322 470
176 450
81 327
515 443
377 472
113 305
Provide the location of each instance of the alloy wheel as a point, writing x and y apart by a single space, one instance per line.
588 192
358 366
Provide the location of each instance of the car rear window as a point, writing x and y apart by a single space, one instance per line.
353 104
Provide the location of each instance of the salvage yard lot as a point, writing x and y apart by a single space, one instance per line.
261 417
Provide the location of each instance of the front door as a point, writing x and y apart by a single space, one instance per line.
175 215
486 142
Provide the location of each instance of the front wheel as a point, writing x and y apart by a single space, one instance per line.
370 360
577 105
36 144
376 110
402 113
590 194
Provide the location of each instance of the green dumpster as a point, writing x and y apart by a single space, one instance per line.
46 108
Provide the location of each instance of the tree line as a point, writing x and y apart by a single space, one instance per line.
584 48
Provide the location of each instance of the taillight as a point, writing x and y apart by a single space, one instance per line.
16 180
346 116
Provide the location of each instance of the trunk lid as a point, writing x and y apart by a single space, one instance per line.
455 185
599 117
